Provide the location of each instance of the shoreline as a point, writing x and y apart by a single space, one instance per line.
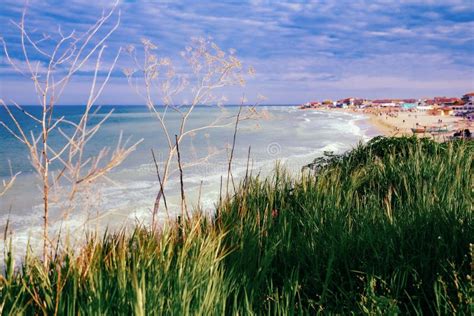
135 192
398 124
380 126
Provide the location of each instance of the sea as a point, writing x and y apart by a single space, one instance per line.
266 135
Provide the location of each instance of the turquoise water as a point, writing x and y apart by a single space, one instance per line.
281 133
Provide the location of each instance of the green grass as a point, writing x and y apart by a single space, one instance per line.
384 229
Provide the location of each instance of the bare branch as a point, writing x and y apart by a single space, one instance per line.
6 185
67 56
212 69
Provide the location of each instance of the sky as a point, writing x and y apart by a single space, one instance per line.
300 50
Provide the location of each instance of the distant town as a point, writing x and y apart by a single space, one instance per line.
463 106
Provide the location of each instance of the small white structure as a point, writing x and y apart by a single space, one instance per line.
424 108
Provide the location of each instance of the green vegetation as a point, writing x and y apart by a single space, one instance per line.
384 229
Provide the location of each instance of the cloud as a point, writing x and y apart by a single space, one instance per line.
297 47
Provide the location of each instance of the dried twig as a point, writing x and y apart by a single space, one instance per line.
247 168
162 194
184 207
229 169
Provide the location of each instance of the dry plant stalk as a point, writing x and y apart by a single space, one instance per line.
155 77
68 55
229 167
184 207
7 184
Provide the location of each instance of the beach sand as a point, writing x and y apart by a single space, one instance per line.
401 123
395 123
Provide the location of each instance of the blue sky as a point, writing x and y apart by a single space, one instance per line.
301 50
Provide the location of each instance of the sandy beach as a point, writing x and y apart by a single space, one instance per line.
397 123
401 123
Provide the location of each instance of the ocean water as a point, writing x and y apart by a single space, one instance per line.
279 133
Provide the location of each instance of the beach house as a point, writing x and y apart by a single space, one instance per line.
467 107
445 101
310 105
468 98
385 103
408 104
424 105
442 111
345 103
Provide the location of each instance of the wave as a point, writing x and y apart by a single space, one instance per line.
301 136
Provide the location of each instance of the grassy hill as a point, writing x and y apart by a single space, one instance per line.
384 229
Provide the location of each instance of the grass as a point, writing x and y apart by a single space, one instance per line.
384 229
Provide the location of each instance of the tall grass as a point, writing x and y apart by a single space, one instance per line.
384 229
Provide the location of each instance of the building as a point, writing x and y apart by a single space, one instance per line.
344 103
442 111
468 105
444 101
408 106
310 105
468 98
385 103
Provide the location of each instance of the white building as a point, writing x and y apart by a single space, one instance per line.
468 98
468 105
